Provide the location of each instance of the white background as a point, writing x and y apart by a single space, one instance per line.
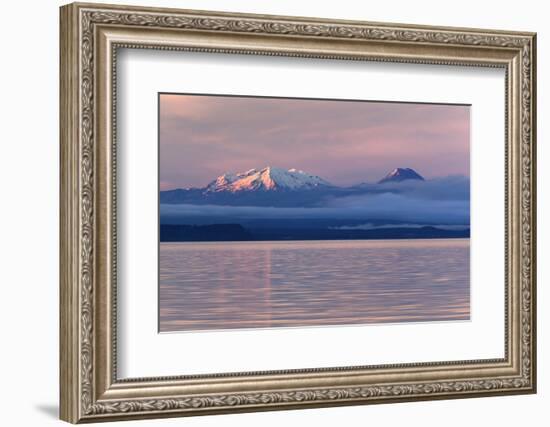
145 353
29 227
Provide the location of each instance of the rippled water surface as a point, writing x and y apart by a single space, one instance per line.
227 285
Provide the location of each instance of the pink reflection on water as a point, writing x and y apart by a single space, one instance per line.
227 285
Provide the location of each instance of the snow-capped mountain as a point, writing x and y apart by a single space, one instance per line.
401 174
266 179
256 187
278 187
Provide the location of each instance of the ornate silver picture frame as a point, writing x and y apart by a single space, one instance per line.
91 37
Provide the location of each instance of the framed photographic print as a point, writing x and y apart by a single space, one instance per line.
264 212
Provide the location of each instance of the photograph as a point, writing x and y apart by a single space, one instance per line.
296 212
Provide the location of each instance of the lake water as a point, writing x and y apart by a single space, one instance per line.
227 285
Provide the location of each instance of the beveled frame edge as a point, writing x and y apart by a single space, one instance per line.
88 390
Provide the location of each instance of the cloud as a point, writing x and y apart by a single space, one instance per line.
418 204
455 187
384 206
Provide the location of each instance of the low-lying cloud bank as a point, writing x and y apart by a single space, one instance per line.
444 201
456 187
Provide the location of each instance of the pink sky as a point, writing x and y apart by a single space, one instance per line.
345 142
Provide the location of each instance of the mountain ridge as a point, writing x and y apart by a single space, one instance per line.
401 174
266 179
271 186
272 178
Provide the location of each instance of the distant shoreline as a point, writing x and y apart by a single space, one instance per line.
238 233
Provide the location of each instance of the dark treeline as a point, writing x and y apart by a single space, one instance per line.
236 232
